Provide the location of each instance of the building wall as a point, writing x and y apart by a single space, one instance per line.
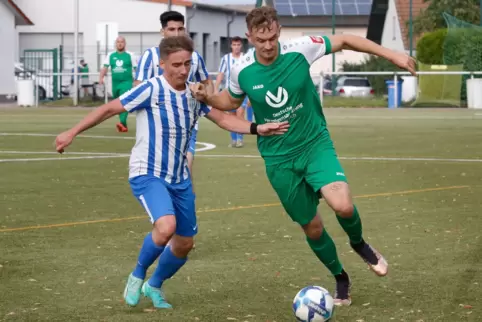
209 30
137 19
7 54
392 34
325 63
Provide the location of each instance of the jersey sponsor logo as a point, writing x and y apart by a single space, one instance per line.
317 39
119 63
278 100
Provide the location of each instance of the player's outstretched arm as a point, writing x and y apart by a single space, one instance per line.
95 117
360 44
235 124
222 100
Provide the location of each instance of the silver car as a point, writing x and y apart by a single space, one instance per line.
354 87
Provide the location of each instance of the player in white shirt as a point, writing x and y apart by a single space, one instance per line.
165 113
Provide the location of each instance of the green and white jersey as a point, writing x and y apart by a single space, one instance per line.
121 64
284 91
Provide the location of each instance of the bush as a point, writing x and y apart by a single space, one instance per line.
430 48
370 64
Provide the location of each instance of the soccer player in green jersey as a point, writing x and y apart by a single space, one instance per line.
302 164
122 64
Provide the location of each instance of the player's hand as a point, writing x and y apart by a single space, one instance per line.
273 128
63 140
406 62
198 91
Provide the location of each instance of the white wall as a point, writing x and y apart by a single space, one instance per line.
57 16
7 53
392 34
325 63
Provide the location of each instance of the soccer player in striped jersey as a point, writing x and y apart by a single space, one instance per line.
172 23
223 79
165 113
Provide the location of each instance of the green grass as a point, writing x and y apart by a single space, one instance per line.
328 101
250 259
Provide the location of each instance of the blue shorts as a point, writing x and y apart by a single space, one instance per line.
160 199
192 142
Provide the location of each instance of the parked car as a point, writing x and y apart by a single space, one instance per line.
44 83
354 87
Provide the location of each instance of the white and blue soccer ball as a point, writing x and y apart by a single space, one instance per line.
313 304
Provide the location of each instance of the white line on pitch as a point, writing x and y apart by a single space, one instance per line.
66 153
347 158
65 159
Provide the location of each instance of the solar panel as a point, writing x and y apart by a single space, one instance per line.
322 7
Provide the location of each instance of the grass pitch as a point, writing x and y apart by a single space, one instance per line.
70 230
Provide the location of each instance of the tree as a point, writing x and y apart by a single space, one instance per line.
431 18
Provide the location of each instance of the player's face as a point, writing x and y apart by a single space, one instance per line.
120 44
236 47
177 67
174 28
265 40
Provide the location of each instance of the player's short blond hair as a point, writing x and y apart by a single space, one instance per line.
262 17
174 44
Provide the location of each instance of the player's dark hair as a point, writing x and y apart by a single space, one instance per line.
262 17
170 16
174 44
236 39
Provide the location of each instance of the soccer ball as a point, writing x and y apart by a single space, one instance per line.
313 304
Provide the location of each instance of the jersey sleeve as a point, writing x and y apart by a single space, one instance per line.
107 60
314 47
144 68
223 66
137 98
204 109
234 87
133 60
201 73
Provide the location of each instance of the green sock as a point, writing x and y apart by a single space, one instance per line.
352 226
123 118
325 250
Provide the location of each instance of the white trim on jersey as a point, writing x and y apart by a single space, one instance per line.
165 119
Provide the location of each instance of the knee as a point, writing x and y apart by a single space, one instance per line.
314 229
181 247
344 209
164 229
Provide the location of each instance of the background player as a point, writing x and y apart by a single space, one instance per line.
223 78
172 23
121 63
301 165
157 171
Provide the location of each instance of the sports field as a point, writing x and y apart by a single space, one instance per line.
70 230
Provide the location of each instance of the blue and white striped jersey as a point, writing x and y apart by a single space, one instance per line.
165 118
148 66
225 66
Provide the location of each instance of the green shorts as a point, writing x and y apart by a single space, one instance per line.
119 88
298 181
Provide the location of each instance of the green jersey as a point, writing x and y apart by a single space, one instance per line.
122 65
284 91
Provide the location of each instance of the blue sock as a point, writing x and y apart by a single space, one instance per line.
148 255
249 114
234 136
240 137
168 265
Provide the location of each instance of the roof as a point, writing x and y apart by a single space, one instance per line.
321 8
224 8
20 17
184 3
403 10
